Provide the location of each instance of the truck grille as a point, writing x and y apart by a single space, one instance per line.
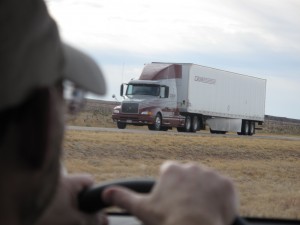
130 108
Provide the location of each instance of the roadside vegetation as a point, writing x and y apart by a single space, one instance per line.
98 114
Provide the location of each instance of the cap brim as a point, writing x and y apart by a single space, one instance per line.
83 70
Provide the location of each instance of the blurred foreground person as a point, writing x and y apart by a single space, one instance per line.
34 63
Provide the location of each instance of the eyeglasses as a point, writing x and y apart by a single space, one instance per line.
74 97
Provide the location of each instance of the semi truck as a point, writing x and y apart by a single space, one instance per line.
191 97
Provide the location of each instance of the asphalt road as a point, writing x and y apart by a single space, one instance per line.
174 132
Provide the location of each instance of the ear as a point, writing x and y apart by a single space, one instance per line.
34 121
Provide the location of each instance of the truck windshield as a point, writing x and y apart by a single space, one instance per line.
142 89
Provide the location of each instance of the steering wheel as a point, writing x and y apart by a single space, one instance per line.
90 199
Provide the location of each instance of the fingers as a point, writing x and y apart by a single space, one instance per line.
64 206
180 171
167 165
123 198
176 166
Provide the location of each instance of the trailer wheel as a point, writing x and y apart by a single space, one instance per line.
157 123
251 128
121 125
246 127
195 124
188 123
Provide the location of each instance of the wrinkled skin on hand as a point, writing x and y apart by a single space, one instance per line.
64 208
184 194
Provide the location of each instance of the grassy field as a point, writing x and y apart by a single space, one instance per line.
266 171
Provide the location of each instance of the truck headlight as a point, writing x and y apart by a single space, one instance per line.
146 113
116 111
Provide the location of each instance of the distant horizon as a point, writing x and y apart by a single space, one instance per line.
107 100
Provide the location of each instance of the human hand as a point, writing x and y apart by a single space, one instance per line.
64 207
183 194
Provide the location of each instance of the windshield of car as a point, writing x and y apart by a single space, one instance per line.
142 89
235 42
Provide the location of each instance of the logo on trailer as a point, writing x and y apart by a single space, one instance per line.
205 80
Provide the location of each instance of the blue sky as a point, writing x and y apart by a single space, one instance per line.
253 37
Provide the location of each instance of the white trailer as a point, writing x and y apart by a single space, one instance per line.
191 97
227 98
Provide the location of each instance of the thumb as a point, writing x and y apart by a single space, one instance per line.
125 199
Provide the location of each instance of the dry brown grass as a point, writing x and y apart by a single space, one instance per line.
266 171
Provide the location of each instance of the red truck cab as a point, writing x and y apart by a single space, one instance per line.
152 99
147 102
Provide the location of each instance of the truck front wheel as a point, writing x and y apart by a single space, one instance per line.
121 125
157 123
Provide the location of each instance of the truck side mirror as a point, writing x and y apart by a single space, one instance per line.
121 89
